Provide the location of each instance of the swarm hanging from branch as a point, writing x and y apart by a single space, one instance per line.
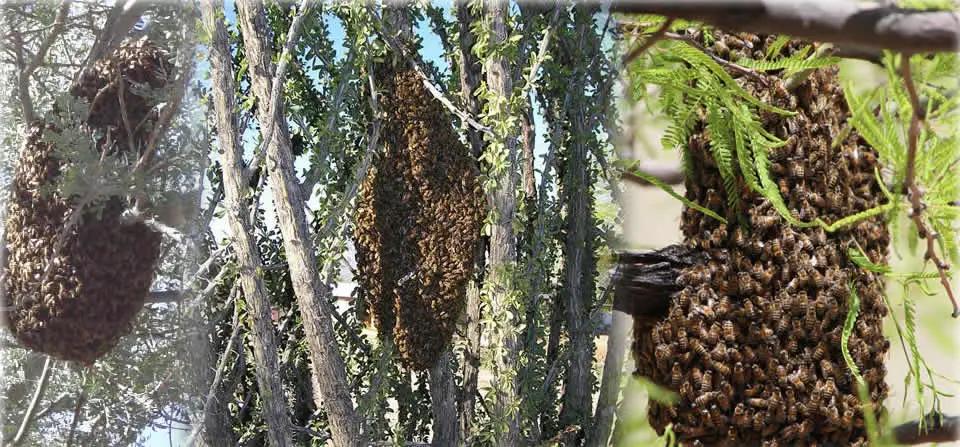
752 341
73 286
418 221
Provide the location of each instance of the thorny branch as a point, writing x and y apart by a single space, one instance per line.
914 194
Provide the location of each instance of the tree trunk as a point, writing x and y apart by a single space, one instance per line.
503 242
443 391
579 282
248 257
469 79
312 295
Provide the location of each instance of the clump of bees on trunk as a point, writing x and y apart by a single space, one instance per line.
74 286
752 342
418 221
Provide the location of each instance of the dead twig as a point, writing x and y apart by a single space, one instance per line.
914 194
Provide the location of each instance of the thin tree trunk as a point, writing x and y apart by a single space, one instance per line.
312 295
503 242
599 433
443 392
469 79
579 282
266 364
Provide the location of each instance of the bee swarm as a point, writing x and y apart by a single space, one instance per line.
74 292
418 221
751 343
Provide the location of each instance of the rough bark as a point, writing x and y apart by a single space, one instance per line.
503 242
599 432
469 79
843 22
312 295
579 284
443 392
266 364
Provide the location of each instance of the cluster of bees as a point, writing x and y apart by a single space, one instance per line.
73 291
418 221
133 69
752 342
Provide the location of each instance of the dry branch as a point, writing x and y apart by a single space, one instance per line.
935 428
843 22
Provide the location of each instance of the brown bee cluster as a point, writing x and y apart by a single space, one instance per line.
124 78
418 221
72 291
751 343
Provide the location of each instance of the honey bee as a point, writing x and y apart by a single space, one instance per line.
706 384
749 310
738 238
718 418
791 432
698 347
847 419
820 352
682 342
783 185
796 169
796 381
758 374
739 375
759 420
728 331
829 389
676 375
723 307
744 283
766 222
721 368
740 416
792 345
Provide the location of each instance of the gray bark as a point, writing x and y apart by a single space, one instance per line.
469 79
443 392
503 242
266 364
843 22
312 295
579 282
603 418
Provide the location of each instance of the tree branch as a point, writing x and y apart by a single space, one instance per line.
914 194
843 22
936 428
32 408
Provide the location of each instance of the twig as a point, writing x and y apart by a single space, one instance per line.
221 367
670 174
32 408
935 428
723 62
914 195
77 409
654 38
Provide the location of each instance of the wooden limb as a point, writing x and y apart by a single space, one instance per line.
843 22
646 281
914 194
936 428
